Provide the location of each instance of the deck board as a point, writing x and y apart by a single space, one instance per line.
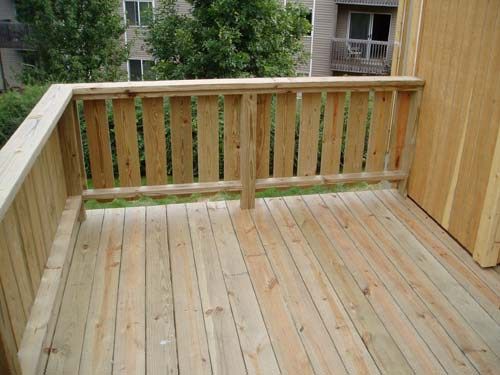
335 283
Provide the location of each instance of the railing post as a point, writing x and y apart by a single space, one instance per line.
410 139
72 152
248 135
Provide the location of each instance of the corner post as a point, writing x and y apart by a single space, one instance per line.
248 135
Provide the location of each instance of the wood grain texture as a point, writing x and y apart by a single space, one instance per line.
127 148
232 107
332 133
101 164
208 138
356 130
379 131
264 102
155 148
309 134
284 136
182 139
248 135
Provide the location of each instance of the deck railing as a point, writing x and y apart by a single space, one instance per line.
325 131
361 56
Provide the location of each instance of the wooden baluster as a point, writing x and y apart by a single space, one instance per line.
248 135
154 141
284 136
263 134
379 131
332 133
356 130
182 139
398 131
232 106
208 138
127 150
101 162
309 134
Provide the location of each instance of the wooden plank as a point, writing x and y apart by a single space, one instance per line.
287 345
130 336
155 148
264 102
101 163
98 343
232 107
182 139
284 135
383 349
253 336
248 135
127 149
241 85
353 247
349 344
472 313
451 320
379 131
192 348
71 150
9 362
309 134
66 347
208 138
398 133
19 154
332 133
482 293
356 130
225 352
315 337
161 351
231 186
39 330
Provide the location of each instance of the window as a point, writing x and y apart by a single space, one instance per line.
309 17
138 12
139 70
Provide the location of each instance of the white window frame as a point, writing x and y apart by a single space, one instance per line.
138 10
142 67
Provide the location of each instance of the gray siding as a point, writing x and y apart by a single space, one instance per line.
183 7
7 10
325 20
11 59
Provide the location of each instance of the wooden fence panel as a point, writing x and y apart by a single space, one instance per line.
208 138
101 162
232 105
182 139
379 131
332 133
356 130
248 133
398 133
284 136
155 147
309 134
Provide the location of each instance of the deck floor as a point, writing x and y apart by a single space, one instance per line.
322 284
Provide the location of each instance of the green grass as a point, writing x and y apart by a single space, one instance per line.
269 193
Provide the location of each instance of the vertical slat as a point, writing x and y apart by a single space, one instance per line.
309 134
127 150
232 104
208 138
8 345
264 102
379 131
284 137
182 139
71 150
332 133
101 163
410 138
154 141
398 132
248 134
356 130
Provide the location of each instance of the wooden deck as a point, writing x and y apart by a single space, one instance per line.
338 283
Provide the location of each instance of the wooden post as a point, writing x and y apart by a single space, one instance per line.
248 135
70 141
410 139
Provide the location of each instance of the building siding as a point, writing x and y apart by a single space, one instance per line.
11 59
325 21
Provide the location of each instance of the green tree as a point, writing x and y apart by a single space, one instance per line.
73 40
228 38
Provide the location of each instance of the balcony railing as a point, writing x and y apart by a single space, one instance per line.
361 56
383 3
12 35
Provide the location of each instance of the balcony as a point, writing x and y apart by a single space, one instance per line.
361 56
13 34
354 282
380 3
